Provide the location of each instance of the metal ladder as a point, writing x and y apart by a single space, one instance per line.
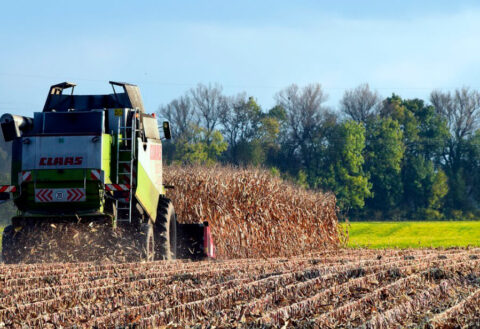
127 139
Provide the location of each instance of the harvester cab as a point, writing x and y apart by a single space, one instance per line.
95 159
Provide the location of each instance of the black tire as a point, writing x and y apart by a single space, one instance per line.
166 230
8 247
146 242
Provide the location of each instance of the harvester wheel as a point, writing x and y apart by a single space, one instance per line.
147 242
166 230
8 245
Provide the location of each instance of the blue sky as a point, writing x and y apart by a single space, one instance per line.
167 47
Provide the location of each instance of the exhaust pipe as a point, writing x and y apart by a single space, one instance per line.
13 126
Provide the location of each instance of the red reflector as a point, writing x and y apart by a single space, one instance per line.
8 188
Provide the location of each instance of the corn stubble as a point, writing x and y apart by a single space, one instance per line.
252 213
326 289
279 267
75 242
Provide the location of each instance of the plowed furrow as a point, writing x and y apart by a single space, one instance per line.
345 288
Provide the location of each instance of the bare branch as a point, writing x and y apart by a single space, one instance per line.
461 110
360 103
209 104
304 109
181 115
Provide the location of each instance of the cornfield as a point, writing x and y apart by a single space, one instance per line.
327 289
279 266
252 213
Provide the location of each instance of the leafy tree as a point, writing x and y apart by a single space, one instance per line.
240 126
436 198
344 166
394 158
252 135
268 138
466 196
279 113
384 154
425 189
422 158
461 111
302 179
424 136
201 148
439 190
431 133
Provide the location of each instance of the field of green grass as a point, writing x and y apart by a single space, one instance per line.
414 234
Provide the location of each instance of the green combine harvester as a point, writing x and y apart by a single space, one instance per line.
94 160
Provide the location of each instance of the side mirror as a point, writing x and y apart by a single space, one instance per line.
166 130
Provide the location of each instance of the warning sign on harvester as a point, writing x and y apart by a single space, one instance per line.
60 195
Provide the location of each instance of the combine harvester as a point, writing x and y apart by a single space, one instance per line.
94 160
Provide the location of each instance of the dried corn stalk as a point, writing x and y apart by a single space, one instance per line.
252 213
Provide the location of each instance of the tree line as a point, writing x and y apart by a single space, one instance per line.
384 158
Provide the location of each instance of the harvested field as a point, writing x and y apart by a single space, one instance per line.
252 213
75 242
329 289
